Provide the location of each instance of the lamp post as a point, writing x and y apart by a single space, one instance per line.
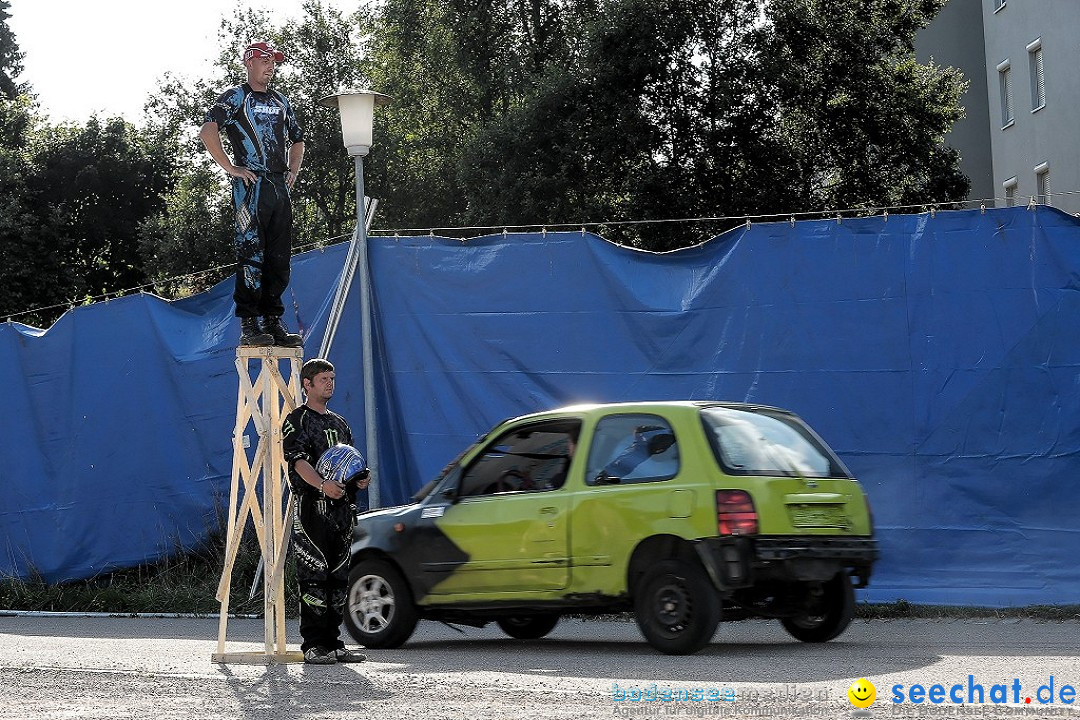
356 108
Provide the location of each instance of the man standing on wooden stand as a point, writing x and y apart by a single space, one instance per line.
259 122
325 472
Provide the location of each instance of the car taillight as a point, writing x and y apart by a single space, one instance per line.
735 513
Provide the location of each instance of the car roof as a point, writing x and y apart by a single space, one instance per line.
582 409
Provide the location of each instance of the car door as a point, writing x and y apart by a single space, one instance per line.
631 491
509 516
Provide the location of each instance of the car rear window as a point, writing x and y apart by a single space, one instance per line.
763 442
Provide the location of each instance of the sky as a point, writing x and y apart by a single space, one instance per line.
106 56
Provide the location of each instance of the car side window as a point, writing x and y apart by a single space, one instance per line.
630 449
530 458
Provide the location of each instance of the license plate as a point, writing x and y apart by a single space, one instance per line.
808 516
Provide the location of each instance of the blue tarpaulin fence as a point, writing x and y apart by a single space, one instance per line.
938 354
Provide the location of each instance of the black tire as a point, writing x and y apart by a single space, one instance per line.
676 607
528 627
826 616
379 611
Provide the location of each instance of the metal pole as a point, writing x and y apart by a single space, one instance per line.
345 282
371 434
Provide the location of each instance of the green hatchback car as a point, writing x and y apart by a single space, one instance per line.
686 513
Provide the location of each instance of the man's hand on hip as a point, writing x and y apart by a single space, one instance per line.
239 171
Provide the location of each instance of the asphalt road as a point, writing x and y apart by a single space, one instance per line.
160 668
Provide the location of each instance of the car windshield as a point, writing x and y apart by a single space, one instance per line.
764 442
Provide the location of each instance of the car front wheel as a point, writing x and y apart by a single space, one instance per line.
826 615
379 612
676 607
528 627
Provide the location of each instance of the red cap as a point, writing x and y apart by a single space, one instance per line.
263 49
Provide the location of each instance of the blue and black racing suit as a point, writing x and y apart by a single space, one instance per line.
322 528
258 124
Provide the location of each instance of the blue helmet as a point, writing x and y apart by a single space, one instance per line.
341 464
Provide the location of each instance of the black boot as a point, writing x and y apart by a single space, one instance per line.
252 334
275 328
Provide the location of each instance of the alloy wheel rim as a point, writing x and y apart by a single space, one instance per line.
371 603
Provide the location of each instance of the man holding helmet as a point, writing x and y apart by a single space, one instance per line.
326 473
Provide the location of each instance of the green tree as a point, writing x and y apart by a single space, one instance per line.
187 245
101 180
424 131
10 56
645 124
32 274
531 111
861 122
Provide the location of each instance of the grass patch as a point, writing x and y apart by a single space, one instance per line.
904 609
183 583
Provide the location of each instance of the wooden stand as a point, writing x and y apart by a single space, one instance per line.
263 403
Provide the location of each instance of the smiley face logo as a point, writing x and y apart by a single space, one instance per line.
862 693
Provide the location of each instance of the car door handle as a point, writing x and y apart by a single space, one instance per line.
549 510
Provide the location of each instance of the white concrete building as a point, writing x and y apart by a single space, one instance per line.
1021 136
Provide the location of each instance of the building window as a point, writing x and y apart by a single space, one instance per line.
1038 75
1010 186
1042 182
1005 78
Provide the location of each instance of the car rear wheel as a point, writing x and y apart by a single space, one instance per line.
825 616
379 612
528 627
676 607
